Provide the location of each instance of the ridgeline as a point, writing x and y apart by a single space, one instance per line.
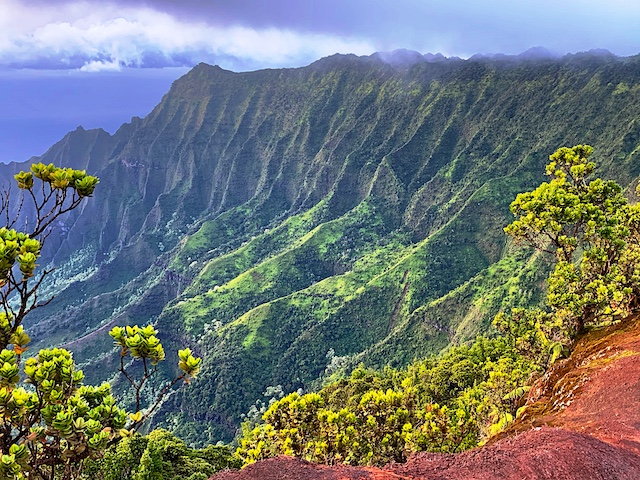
289 224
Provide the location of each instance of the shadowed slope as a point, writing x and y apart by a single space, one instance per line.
267 218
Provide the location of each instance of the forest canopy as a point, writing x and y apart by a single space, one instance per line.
459 400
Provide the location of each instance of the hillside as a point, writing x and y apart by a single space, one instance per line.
572 428
288 223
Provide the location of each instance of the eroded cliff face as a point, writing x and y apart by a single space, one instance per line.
268 218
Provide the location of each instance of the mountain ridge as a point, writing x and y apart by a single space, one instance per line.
264 218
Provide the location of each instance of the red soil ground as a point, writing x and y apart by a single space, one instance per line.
582 422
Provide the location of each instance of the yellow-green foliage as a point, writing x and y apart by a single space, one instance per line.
595 236
51 423
372 418
61 421
142 345
311 255
58 179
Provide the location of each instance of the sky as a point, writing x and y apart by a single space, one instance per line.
56 55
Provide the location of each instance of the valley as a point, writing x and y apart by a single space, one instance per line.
288 225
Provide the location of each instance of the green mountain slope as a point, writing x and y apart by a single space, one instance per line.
280 220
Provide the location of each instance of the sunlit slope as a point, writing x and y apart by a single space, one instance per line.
267 218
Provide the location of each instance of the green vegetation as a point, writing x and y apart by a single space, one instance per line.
325 250
265 219
594 234
50 422
372 418
142 345
454 402
53 423
288 225
160 456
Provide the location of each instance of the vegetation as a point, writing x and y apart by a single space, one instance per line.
390 170
56 427
159 456
50 422
349 207
594 234
440 405
143 345
470 393
295 223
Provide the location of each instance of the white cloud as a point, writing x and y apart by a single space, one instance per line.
95 35
101 66
100 37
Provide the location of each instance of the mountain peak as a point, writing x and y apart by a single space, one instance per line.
538 53
400 57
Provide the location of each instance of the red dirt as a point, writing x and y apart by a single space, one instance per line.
289 468
582 422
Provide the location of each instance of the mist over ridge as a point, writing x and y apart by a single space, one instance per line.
356 204
40 106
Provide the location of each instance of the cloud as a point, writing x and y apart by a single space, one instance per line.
98 37
101 66
95 35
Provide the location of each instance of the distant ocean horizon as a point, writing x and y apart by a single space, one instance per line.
38 108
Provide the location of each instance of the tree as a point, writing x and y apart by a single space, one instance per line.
442 405
143 345
162 456
50 423
594 233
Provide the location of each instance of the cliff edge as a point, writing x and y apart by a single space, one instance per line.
582 421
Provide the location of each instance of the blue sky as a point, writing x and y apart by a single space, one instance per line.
57 55
38 107
95 35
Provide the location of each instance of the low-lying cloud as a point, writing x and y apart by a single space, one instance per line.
101 35
97 37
